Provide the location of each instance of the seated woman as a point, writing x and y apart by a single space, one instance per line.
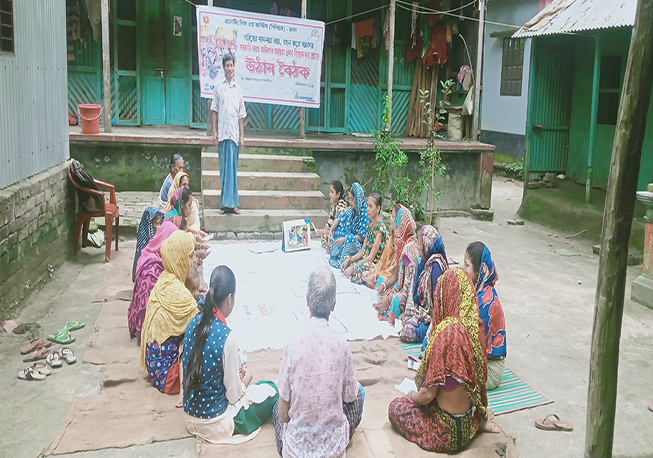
480 267
374 244
218 397
176 166
181 203
451 402
182 179
398 289
320 401
350 228
338 206
386 265
432 264
150 222
148 270
169 310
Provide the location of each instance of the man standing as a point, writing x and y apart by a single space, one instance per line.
229 108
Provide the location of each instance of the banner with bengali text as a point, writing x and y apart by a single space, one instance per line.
278 58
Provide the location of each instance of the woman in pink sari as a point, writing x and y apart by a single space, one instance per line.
148 269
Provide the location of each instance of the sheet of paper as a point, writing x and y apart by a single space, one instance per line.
413 365
406 385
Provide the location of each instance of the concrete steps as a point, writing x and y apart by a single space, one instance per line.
258 220
272 188
262 163
265 181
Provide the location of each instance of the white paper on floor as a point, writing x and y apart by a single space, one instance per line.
271 294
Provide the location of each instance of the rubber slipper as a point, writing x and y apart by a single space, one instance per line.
68 355
39 353
29 348
550 425
42 368
71 326
63 338
650 407
30 374
54 360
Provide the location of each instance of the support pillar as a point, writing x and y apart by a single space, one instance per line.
391 60
302 110
478 81
106 66
642 288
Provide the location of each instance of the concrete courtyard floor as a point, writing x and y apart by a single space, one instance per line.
547 288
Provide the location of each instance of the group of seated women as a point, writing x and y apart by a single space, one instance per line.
404 264
188 349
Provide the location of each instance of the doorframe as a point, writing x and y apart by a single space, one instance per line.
118 73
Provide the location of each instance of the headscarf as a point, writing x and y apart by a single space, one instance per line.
490 308
174 202
152 251
456 346
176 184
434 253
405 240
357 224
171 305
145 234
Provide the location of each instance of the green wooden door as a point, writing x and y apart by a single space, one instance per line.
164 67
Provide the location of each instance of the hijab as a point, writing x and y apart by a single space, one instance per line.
145 234
151 253
456 347
434 254
489 306
405 240
176 184
171 306
174 204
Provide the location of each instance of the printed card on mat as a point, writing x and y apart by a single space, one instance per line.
296 235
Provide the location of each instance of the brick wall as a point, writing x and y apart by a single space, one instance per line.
37 218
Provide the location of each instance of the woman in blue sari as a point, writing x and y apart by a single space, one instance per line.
350 228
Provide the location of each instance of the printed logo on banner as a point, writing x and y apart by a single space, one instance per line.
278 59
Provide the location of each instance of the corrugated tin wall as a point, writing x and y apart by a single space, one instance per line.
33 92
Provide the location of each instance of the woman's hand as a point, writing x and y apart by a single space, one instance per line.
245 375
382 289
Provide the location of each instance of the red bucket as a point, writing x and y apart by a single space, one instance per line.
89 115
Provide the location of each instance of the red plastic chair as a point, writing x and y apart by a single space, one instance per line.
108 210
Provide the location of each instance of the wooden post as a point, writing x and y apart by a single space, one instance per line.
617 222
476 115
209 115
595 103
106 66
529 118
302 110
391 60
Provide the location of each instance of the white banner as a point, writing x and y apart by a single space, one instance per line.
278 58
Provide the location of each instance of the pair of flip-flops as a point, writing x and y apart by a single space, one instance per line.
35 350
56 359
548 424
63 335
37 371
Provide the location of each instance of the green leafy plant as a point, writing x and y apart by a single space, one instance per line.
516 169
430 157
443 102
391 180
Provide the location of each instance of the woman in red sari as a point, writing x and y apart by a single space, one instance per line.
450 405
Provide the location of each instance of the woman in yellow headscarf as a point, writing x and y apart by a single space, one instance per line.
169 310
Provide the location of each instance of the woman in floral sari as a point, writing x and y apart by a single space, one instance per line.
450 405
374 244
148 269
350 228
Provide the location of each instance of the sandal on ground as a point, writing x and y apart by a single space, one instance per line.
62 338
54 360
39 353
67 355
650 407
235 211
30 374
222 211
31 346
71 326
551 425
42 368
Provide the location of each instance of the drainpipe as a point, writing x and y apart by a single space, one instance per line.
106 65
595 102
476 130
302 110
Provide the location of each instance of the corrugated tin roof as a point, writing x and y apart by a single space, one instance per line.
585 15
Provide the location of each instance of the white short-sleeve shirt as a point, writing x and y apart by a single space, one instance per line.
228 103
